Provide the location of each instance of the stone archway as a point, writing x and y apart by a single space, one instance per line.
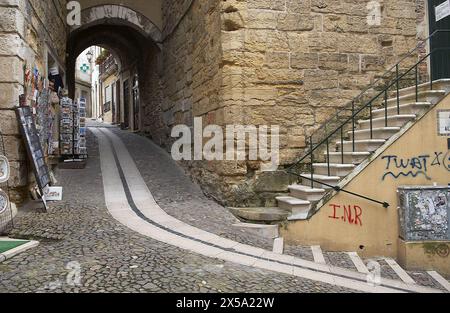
118 15
129 35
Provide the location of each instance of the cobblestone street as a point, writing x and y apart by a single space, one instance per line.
113 258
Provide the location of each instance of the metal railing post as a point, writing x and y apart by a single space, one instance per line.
371 120
312 163
398 89
328 159
417 83
386 108
342 144
353 127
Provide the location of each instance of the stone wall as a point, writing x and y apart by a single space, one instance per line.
295 63
25 29
291 63
190 76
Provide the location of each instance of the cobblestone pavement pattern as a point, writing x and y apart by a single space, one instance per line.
115 259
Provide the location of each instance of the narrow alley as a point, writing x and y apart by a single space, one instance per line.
225 147
115 258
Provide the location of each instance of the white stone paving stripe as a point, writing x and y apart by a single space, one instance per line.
278 245
400 271
359 264
441 280
318 255
148 207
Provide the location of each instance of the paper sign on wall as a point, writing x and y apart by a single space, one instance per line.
442 10
444 122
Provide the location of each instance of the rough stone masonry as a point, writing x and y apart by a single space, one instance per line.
290 63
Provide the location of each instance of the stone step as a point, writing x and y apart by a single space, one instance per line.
336 169
261 214
441 84
393 121
306 193
409 108
299 208
321 179
355 158
377 133
366 145
266 231
432 96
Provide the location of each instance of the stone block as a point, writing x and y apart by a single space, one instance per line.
277 60
267 4
12 20
8 123
295 22
19 174
14 147
9 95
11 69
304 60
262 19
277 181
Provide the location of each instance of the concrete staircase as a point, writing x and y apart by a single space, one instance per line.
303 196
299 204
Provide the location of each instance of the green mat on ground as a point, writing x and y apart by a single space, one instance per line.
6 245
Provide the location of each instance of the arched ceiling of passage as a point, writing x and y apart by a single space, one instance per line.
112 14
152 9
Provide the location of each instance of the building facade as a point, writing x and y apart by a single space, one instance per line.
83 80
33 36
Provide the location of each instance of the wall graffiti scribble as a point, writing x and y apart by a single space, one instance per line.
397 166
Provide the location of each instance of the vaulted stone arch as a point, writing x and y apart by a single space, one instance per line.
111 14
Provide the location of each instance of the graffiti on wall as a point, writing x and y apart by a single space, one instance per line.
351 214
424 213
420 165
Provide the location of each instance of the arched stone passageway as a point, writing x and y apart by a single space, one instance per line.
118 15
132 39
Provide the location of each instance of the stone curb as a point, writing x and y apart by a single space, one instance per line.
13 252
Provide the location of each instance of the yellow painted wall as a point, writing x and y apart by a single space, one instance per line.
379 231
425 256
109 81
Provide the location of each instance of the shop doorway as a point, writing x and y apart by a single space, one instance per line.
126 104
117 115
440 43
136 103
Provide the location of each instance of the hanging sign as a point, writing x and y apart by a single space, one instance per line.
84 68
33 145
442 10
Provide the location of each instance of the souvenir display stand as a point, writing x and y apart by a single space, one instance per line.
73 133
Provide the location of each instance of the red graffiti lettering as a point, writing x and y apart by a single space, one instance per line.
351 214
335 207
358 214
348 214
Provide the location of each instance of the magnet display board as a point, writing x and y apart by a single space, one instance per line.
33 145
